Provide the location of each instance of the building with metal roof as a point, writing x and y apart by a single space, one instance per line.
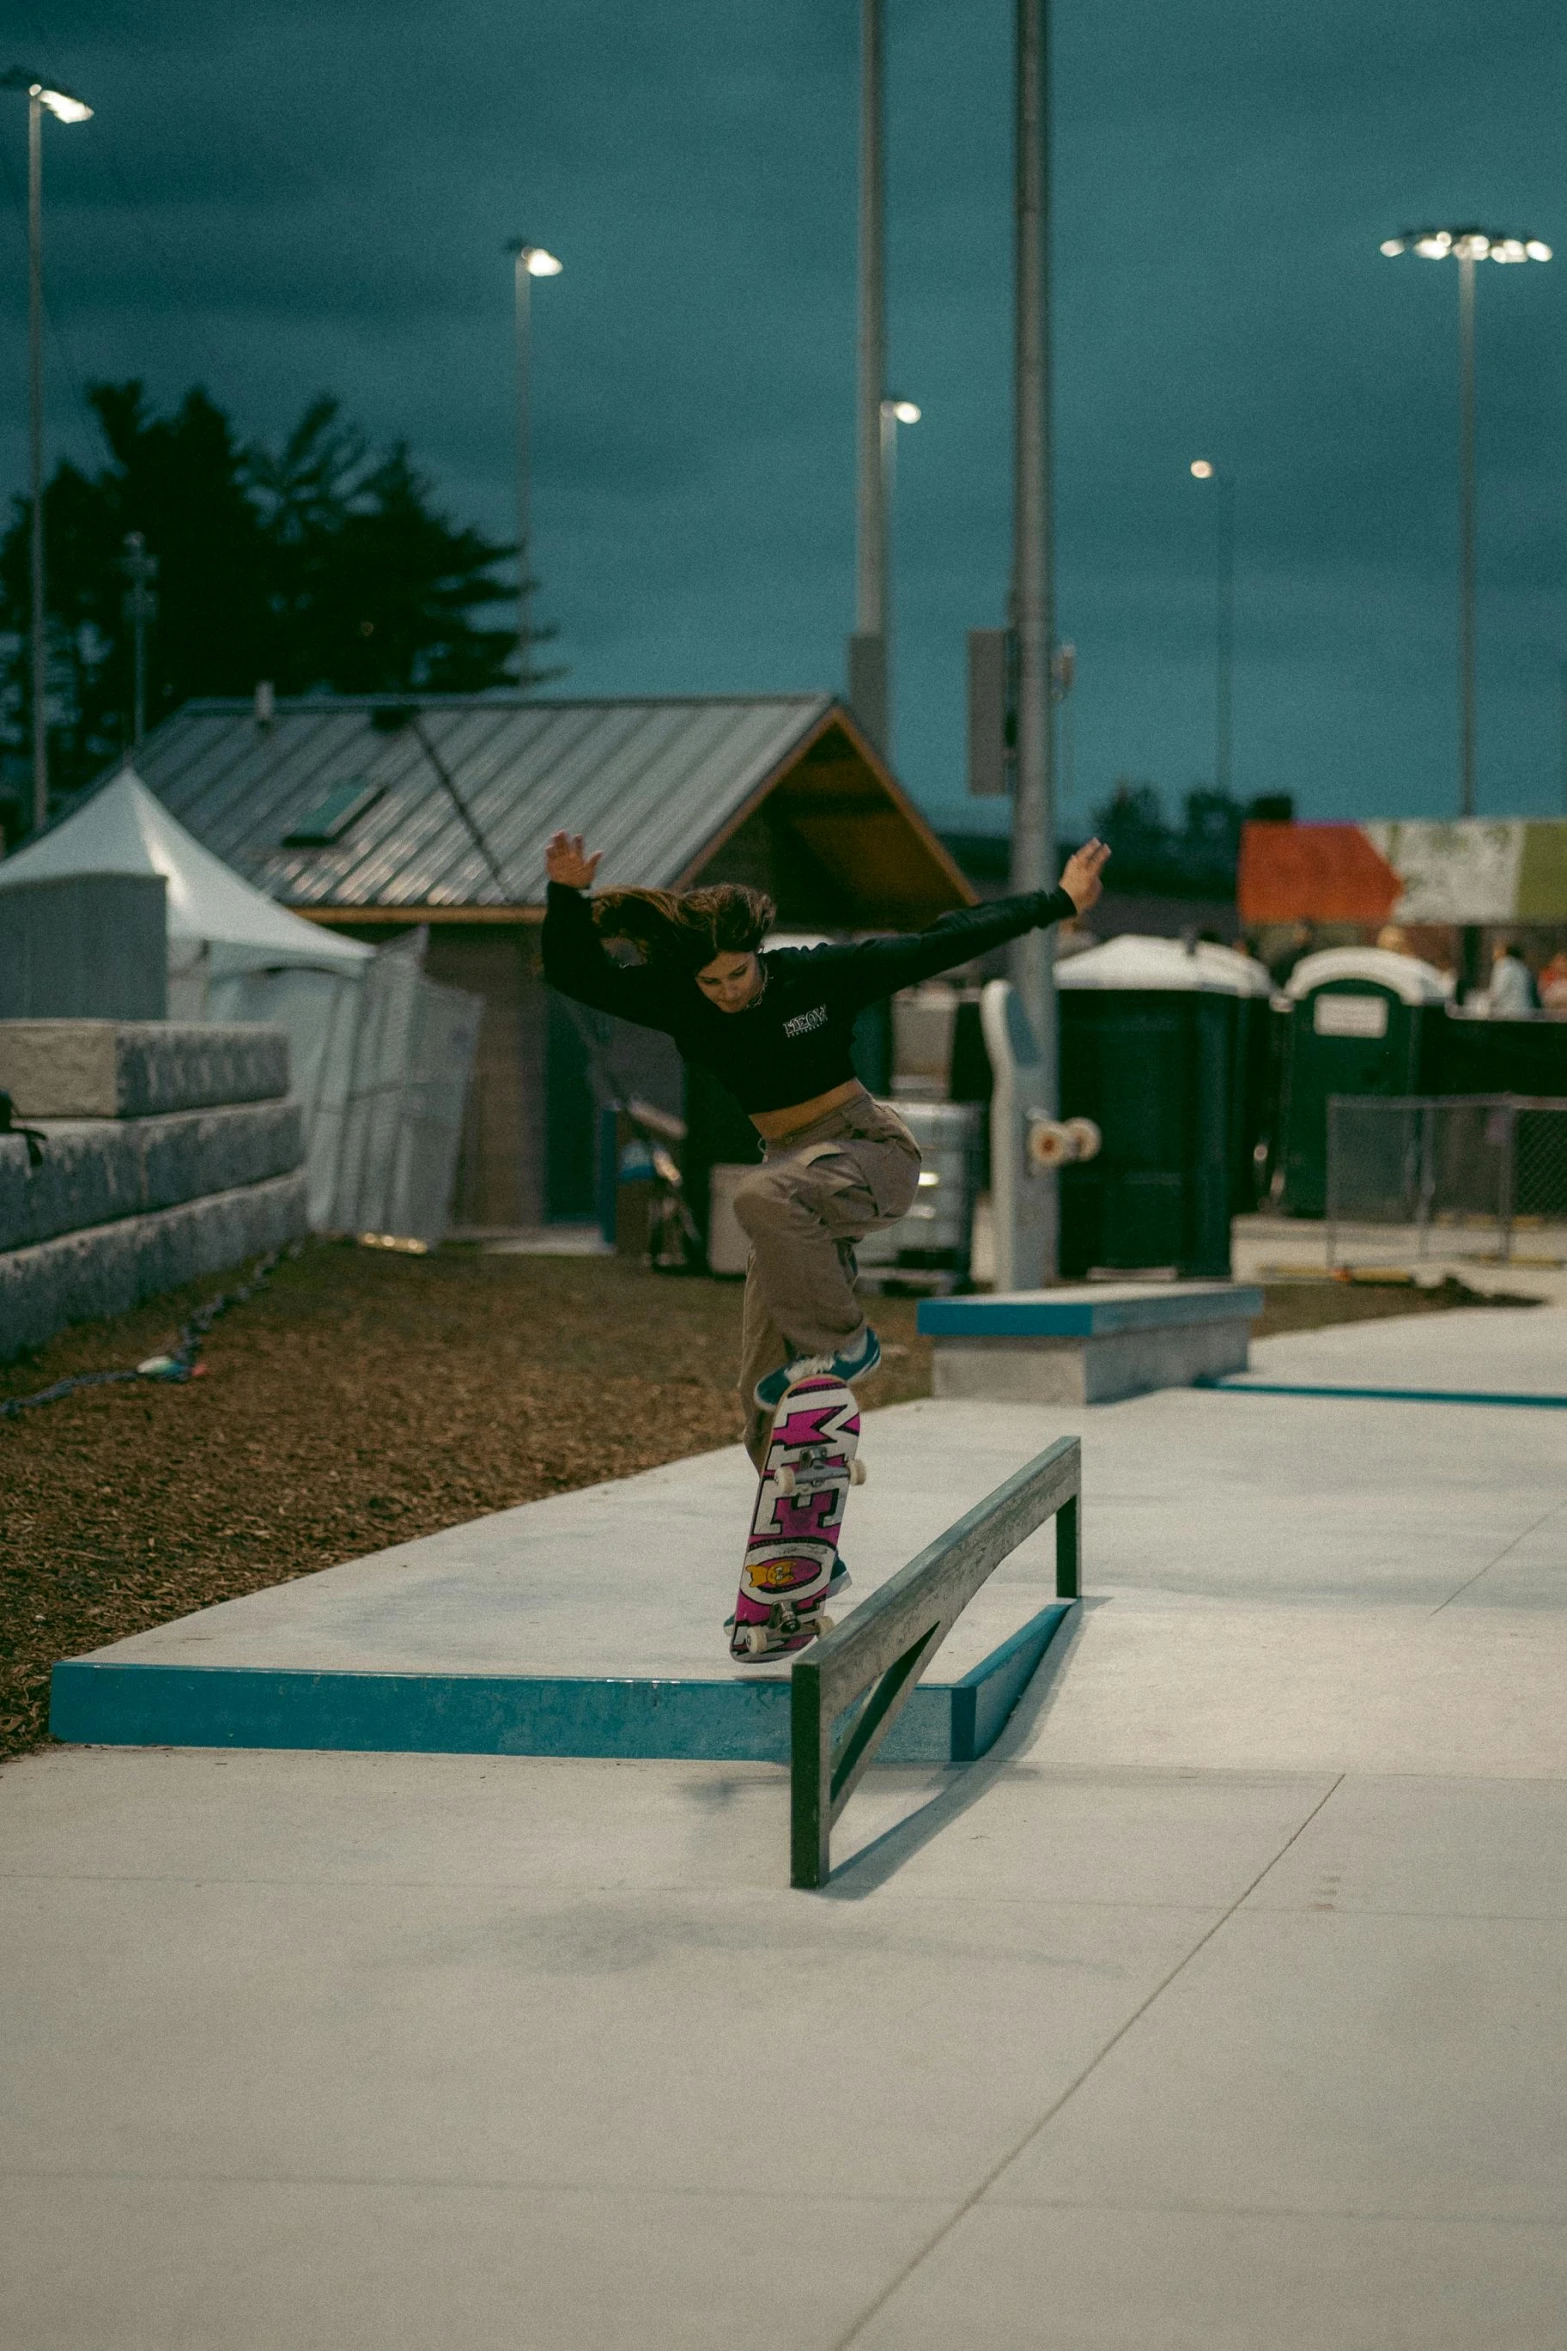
374 815
369 809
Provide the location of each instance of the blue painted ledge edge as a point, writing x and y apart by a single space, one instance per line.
1230 1386
1085 1318
739 1721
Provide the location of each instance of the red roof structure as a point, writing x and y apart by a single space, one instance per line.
1313 873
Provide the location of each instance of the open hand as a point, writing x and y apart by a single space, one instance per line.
567 862
1080 877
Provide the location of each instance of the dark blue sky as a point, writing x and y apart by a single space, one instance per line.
298 194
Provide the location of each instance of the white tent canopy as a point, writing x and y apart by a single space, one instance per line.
123 829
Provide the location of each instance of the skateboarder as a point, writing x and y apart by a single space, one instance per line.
774 1024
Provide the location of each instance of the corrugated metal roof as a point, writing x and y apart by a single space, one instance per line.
648 782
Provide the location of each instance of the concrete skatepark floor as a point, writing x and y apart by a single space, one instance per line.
367 1399
1220 2005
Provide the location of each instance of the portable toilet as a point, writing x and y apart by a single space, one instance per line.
1164 1046
1362 1020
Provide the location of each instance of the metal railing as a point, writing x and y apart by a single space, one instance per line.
1458 1160
892 1637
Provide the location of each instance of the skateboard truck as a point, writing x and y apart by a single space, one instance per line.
798 1477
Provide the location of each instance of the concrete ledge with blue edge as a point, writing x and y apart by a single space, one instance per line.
1089 1344
587 1624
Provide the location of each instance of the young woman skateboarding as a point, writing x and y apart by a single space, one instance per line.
774 1025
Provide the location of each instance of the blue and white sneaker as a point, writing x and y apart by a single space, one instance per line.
847 1368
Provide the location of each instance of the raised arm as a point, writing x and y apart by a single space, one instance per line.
882 965
576 960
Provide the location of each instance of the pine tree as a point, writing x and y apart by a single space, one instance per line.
322 565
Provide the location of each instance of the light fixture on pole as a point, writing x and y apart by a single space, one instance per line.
1204 470
531 261
1466 246
42 98
893 412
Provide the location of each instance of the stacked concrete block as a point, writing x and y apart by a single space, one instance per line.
134 1068
169 1153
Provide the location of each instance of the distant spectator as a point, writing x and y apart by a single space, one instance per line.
1553 984
1394 939
1297 947
1512 994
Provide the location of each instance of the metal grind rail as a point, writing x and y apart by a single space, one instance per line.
892 1637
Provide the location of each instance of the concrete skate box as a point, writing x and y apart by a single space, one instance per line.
85 946
136 1069
1089 1345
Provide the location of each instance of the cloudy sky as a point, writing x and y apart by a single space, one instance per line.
290 195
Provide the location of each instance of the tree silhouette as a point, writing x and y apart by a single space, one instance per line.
323 565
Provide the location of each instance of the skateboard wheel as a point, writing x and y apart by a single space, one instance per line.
856 1471
756 1640
785 1480
825 1624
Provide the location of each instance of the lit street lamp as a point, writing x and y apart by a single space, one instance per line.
1203 470
531 262
891 413
42 98
1466 246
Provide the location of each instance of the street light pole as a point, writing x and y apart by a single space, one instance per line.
39 626
874 429
892 413
1033 815
1466 534
140 570
1466 246
1203 470
42 97
531 261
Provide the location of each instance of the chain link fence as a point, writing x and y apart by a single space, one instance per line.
1435 1165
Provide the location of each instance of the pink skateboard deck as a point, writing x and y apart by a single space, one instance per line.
793 1541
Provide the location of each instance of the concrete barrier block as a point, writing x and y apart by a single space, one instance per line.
136 1069
86 1276
220 1150
96 1171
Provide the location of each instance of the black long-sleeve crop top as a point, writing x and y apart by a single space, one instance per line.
792 1042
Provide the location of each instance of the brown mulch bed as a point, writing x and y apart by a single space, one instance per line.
1312 1305
363 1399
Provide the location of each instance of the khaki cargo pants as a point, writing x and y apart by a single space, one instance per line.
803 1209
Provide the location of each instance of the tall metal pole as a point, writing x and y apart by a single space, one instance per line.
1466 535
868 649
35 361
1033 815
524 516
140 570
1225 699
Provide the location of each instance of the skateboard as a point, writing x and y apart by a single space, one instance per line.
789 1554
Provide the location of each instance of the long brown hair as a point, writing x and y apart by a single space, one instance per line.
682 930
